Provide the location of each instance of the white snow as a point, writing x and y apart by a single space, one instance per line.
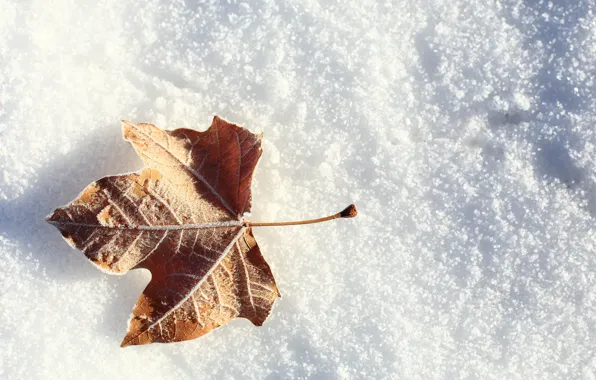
463 130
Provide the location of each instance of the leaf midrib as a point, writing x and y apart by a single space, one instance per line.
165 227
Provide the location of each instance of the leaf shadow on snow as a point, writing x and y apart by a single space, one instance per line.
60 180
102 152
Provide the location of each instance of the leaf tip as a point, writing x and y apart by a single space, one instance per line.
217 120
126 123
349 212
127 341
126 127
50 218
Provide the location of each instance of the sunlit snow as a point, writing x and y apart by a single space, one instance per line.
463 130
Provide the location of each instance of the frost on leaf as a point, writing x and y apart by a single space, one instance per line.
180 218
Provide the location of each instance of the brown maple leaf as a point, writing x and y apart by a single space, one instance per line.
180 218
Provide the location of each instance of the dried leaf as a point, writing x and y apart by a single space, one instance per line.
180 218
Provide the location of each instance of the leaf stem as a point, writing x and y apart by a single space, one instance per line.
348 212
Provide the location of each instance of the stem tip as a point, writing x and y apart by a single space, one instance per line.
349 212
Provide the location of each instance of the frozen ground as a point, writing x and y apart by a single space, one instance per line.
463 130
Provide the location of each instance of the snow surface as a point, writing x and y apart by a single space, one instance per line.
463 129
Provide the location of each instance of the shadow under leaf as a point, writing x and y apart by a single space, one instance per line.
22 220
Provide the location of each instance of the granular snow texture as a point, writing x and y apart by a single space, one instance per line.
463 130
